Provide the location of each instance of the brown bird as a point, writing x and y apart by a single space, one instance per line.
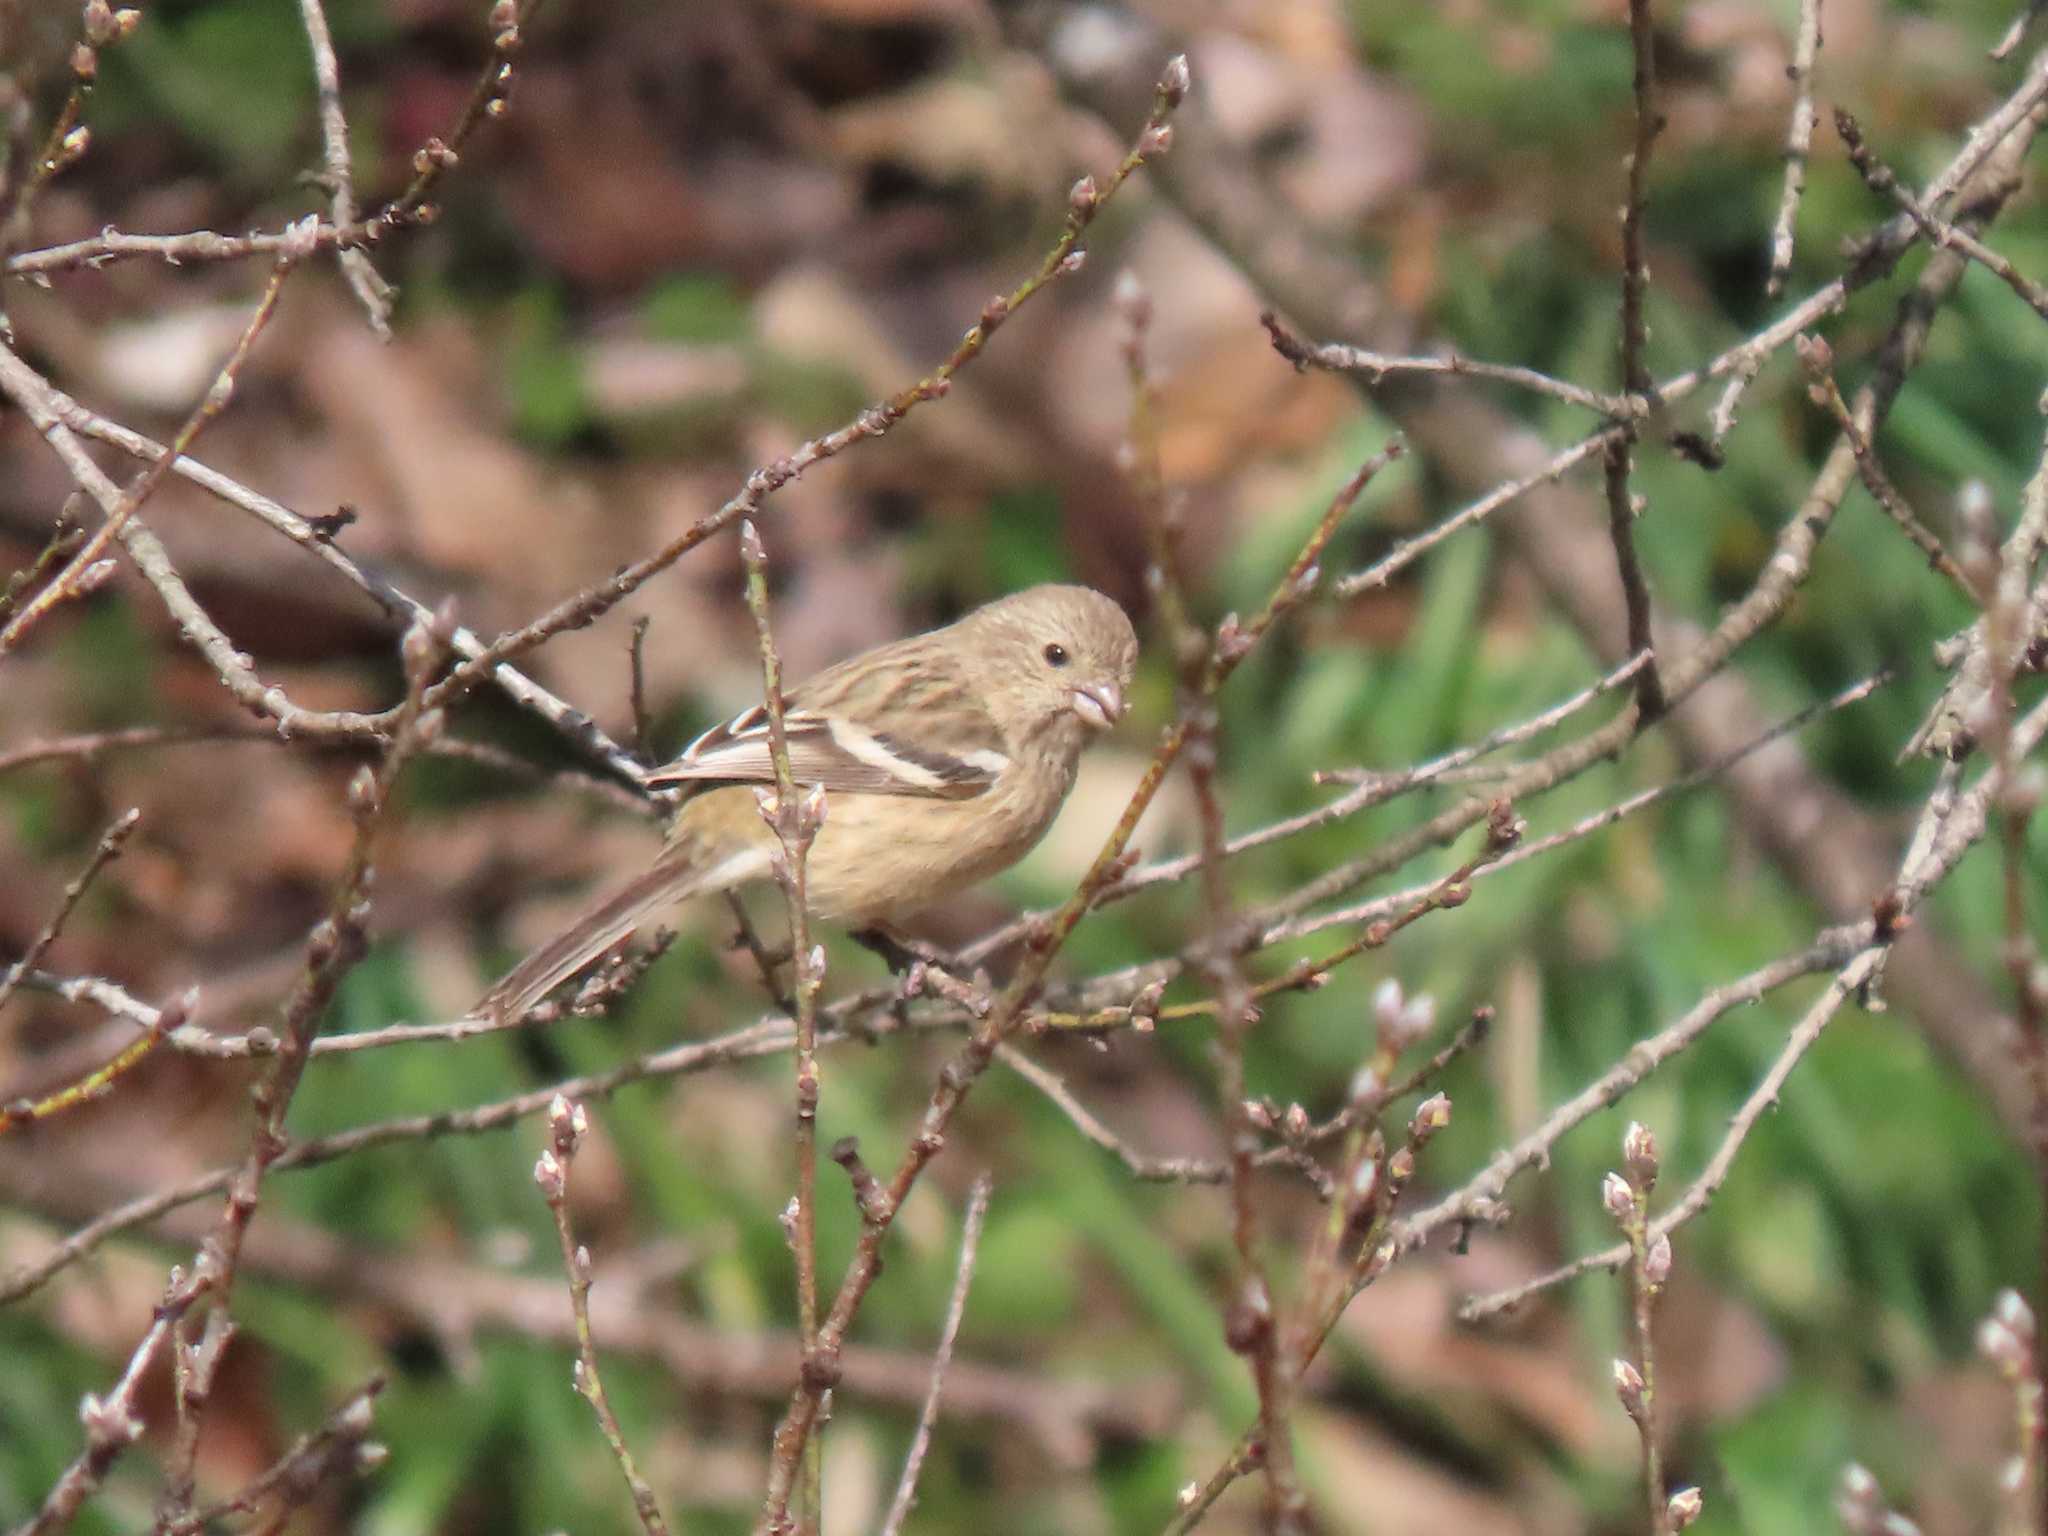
943 757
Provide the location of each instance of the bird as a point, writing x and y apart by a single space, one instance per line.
943 759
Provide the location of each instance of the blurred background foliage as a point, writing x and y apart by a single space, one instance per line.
705 232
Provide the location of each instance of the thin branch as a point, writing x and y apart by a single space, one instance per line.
1404 554
104 853
111 1426
68 582
1253 1319
959 1075
194 248
956 1308
65 537
100 1081
567 1126
636 691
1879 252
332 951
1844 986
1372 367
316 537
338 1446
795 821
1798 144
1623 505
1945 833
1818 359
1627 1198
37 401
1941 232
370 288
110 1421
2017 32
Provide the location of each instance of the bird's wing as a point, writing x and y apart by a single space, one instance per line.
900 721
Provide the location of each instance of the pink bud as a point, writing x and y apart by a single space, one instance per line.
1628 1386
1618 1198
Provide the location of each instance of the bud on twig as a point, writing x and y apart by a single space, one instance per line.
99 23
1618 1198
354 1420
567 1126
549 1175
1083 200
362 791
1628 1386
1657 1261
1684 1507
2012 1310
1401 1022
1639 1156
1998 1343
1431 1116
1175 80
1250 1322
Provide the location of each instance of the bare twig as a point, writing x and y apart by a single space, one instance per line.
959 1076
795 821
956 1308
195 247
1253 1320
370 289
332 951
1944 834
68 582
636 674
110 1421
1623 505
111 1426
2017 32
38 402
1938 231
2010 1339
338 1447
1372 367
1627 1198
63 542
567 1125
1818 359
1798 144
98 1082
104 853
311 536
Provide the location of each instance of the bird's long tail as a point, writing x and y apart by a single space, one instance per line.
674 877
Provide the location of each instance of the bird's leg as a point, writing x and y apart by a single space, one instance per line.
920 967
899 951
766 961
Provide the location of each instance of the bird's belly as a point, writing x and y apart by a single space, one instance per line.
881 858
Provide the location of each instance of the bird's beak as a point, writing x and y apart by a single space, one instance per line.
1101 705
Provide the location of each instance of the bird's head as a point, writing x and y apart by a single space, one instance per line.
1059 659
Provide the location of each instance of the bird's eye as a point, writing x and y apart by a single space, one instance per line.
1056 655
